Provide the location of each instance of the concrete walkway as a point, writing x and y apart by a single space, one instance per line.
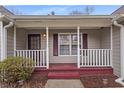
64 83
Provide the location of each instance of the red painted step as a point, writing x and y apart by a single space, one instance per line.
61 66
63 75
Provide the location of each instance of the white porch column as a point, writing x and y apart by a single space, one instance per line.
2 41
14 40
78 47
111 46
47 47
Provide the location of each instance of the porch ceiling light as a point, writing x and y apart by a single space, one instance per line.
44 35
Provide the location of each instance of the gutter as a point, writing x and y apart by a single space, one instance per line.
4 36
121 78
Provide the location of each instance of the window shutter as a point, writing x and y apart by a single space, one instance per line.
55 44
85 41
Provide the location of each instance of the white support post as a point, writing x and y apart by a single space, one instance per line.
111 51
14 40
78 47
47 47
2 40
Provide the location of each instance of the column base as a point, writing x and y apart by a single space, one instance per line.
120 81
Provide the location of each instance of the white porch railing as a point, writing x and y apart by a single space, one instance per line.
38 56
95 57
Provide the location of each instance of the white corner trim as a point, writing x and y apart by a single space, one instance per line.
2 47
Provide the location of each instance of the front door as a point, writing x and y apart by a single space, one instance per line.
34 41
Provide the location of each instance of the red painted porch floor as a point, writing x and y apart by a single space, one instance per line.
70 71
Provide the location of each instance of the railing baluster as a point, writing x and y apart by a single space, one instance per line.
82 57
102 57
99 57
96 58
85 57
93 58
91 61
88 63
43 58
105 57
110 58
41 61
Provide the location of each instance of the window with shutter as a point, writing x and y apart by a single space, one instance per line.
67 44
34 41
55 45
85 41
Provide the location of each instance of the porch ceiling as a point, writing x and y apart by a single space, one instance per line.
92 22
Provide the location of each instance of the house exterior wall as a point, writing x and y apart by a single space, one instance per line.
105 38
116 51
20 39
10 42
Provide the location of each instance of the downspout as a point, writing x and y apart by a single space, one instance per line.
121 78
5 37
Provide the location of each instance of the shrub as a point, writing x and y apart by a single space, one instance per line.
14 69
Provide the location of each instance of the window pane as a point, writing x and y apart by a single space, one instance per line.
74 50
64 49
64 39
74 44
74 39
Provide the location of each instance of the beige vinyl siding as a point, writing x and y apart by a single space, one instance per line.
10 42
116 51
105 38
20 39
93 42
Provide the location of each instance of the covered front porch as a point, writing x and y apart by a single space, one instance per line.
96 52
82 42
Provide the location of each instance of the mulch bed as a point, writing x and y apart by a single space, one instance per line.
36 81
97 81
